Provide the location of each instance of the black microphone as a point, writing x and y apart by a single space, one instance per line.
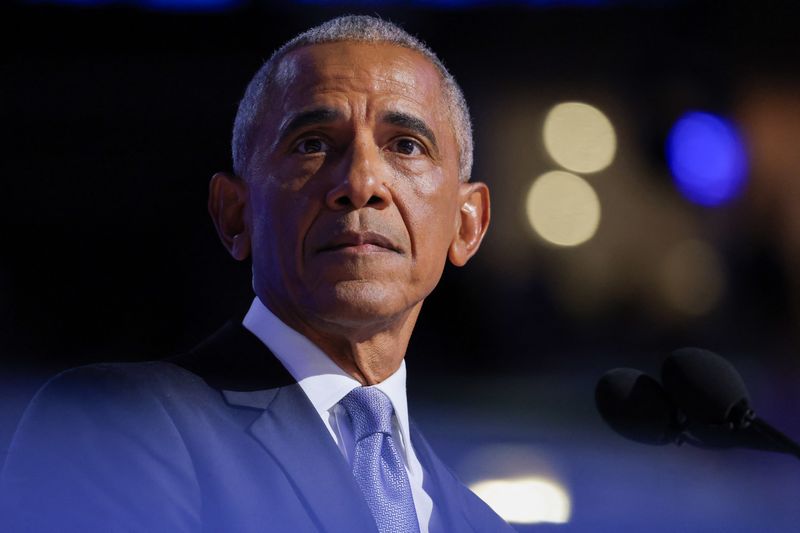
637 407
704 402
712 394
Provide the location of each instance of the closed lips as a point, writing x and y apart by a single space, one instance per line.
349 239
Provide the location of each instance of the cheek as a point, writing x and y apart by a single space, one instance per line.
420 178
431 209
434 199
272 221
291 175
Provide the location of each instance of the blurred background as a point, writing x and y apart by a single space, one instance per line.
644 162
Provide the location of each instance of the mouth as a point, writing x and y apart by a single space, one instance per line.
360 242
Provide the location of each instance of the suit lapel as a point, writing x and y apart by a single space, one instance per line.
290 431
237 363
441 484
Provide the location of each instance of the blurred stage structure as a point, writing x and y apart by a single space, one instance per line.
645 173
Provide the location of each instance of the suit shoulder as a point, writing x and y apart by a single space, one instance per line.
117 373
91 448
109 381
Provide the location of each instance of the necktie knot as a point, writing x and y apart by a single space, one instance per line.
370 410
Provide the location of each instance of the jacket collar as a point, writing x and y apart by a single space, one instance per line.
247 374
233 359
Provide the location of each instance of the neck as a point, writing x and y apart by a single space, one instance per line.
370 352
369 357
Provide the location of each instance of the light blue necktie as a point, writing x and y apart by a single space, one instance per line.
377 466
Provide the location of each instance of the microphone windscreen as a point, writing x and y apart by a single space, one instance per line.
704 385
635 406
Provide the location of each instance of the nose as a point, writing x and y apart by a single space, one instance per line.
360 180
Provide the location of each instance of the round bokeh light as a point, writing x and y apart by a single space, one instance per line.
563 208
706 156
692 277
579 137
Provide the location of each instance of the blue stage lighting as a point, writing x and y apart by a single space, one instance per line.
189 5
223 5
707 158
153 5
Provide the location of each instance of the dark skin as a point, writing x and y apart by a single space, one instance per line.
352 202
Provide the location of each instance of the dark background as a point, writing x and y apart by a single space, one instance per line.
116 116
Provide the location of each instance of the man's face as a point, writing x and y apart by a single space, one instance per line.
354 195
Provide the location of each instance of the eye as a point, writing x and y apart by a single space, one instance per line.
407 146
312 145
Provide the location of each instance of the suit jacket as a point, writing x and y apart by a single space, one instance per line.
219 439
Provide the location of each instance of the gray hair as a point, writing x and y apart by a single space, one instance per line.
348 28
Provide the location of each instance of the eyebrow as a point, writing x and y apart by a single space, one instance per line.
311 117
410 122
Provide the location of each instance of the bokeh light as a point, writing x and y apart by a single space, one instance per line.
527 500
707 158
579 137
692 277
563 208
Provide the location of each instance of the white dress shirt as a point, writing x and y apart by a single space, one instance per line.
325 384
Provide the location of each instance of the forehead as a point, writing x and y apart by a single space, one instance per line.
378 74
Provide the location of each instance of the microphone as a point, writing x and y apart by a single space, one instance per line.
637 407
712 394
704 402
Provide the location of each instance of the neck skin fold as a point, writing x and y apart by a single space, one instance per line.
369 352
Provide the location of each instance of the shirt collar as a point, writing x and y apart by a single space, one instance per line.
322 380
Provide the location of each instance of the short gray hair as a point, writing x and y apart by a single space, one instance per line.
348 28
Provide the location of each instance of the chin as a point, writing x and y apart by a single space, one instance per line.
359 302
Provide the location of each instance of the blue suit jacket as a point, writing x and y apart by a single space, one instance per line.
219 439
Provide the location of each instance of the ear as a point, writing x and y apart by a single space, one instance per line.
227 205
472 222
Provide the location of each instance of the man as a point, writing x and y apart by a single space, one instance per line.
352 153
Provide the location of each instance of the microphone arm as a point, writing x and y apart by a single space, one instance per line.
781 441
